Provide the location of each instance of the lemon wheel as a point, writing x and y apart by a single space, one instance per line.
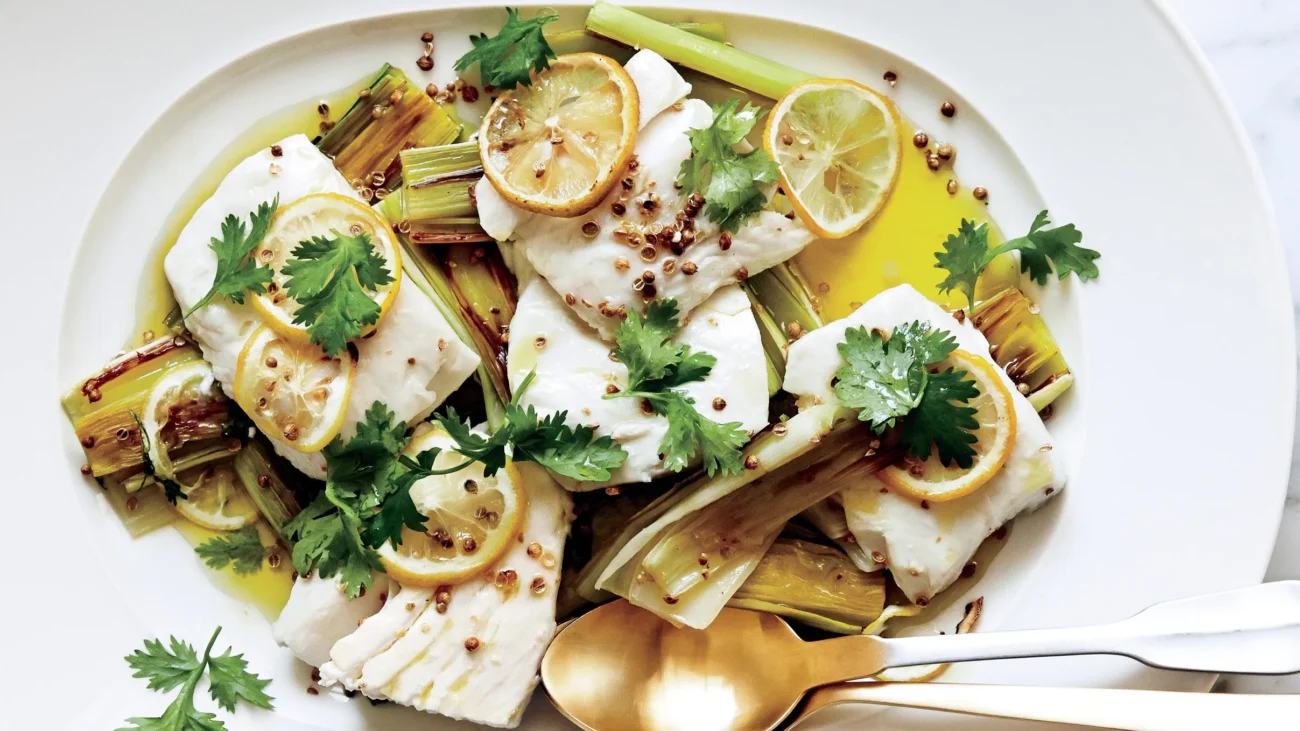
995 438
294 392
473 520
558 146
324 215
215 498
838 148
188 389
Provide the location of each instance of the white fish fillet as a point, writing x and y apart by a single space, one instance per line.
411 363
319 614
582 266
926 549
574 370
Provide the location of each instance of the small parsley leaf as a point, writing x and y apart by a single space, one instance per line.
242 550
229 681
728 180
237 272
1042 251
330 278
689 432
518 49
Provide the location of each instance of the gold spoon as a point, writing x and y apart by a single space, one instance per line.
621 668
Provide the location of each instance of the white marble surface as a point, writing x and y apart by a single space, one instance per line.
1254 45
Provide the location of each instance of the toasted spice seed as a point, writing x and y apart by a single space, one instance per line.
891 78
780 429
88 442
534 550
312 691
276 151
921 140
719 403
751 462
364 94
86 470
689 268
291 432
646 407
471 643
648 253
590 229
618 208
471 487
570 299
376 112
981 193
441 608
947 109
724 241
945 151
273 560
469 94
922 601
538 585
952 187
742 274
426 37
432 90
613 491
959 316
322 109
648 276
669 599
649 291
794 329
933 162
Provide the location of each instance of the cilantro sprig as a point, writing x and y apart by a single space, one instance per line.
1042 251
177 665
171 489
573 452
242 550
656 367
728 180
237 271
365 503
889 380
330 278
519 48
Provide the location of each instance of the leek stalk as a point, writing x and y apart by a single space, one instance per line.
366 142
785 309
437 201
274 499
742 68
579 41
815 585
1021 343
205 454
141 513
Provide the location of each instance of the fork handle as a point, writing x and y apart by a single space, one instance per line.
1133 710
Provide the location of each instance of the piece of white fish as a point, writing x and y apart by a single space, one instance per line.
411 363
319 614
926 549
574 373
599 271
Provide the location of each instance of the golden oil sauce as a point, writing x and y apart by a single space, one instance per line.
267 589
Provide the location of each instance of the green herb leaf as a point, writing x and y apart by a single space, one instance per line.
330 277
519 48
966 253
171 489
939 419
656 367
885 379
243 549
237 272
729 181
181 667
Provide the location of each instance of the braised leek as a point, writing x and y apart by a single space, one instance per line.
1021 343
814 585
275 500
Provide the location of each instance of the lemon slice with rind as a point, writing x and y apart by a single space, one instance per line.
559 145
188 389
838 149
473 519
995 438
293 392
215 498
324 215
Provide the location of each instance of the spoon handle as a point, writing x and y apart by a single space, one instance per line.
1254 630
1134 710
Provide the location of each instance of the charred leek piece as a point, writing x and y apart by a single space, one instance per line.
183 460
436 201
785 309
367 141
1021 343
744 69
815 585
274 499
141 513
101 409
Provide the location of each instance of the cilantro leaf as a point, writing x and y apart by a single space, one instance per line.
1042 250
171 489
939 421
489 451
236 271
885 379
398 509
519 48
182 667
656 367
728 180
329 277
229 681
243 549
327 535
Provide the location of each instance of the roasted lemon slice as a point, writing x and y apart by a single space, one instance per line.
472 519
215 498
558 146
996 437
324 215
838 148
294 392
188 389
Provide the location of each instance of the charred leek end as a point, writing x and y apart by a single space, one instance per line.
1021 343
103 409
367 141
437 200
578 41
815 585
274 499
471 286
744 69
785 309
